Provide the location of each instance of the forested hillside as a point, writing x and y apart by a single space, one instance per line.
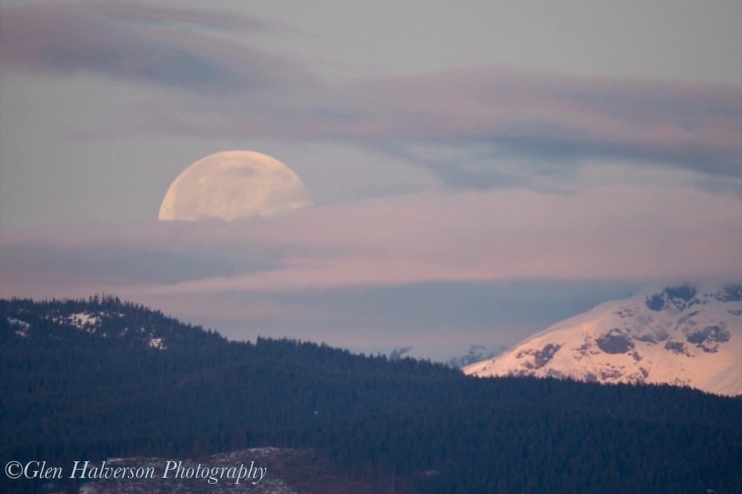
103 378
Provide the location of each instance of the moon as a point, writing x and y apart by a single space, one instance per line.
232 185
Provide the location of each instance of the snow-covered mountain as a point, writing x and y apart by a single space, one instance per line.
685 335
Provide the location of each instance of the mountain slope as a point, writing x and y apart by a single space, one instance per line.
684 335
78 385
457 356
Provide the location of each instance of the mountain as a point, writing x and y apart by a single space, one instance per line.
104 380
106 318
455 357
683 335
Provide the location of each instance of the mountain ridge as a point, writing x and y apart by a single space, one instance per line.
76 386
686 334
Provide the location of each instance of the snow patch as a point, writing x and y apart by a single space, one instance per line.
157 343
23 325
84 321
17 322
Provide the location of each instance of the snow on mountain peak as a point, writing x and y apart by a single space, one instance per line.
687 334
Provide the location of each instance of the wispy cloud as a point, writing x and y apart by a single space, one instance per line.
613 233
140 11
477 127
469 126
138 43
542 118
419 265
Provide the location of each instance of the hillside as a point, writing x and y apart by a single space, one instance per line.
100 378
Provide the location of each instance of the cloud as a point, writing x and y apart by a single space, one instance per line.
604 233
138 43
477 127
140 11
485 127
485 266
115 257
122 267
561 120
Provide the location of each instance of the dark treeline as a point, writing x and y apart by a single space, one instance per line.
103 391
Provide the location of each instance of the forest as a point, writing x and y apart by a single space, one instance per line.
94 390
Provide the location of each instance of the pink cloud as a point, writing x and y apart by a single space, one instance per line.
605 233
555 118
255 277
664 117
111 39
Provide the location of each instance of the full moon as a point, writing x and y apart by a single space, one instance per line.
231 185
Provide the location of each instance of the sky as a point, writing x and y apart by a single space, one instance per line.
479 170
